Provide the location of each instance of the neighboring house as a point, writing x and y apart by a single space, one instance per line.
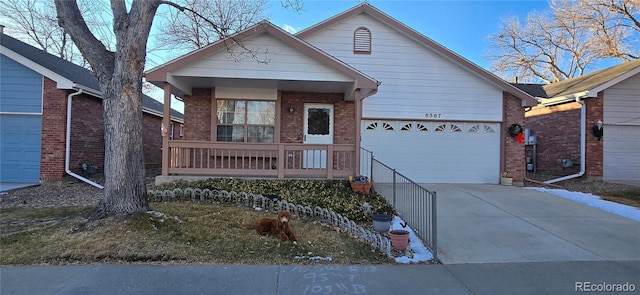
35 88
310 101
611 96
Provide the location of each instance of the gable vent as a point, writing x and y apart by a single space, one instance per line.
362 40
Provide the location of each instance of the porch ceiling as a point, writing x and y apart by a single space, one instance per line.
181 82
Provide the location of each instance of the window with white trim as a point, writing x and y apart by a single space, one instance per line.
362 41
245 120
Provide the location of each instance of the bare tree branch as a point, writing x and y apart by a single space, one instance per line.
35 22
199 23
565 41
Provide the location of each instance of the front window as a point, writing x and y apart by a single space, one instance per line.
246 120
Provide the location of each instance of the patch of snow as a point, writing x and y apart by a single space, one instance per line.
420 252
594 201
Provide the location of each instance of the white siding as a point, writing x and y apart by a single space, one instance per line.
622 102
621 160
278 61
415 80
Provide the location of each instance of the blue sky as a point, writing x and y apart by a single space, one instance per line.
462 26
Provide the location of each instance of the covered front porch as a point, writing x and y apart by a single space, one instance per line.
297 115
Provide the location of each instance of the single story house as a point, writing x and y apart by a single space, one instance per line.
588 125
304 105
39 141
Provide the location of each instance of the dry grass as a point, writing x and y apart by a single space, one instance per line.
181 232
627 197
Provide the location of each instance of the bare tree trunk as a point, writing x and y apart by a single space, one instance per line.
124 190
120 76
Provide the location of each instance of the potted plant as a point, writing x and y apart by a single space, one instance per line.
381 222
399 237
506 178
360 184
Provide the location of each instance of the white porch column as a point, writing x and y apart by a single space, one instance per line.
166 124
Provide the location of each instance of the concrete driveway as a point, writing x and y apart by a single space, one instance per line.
502 224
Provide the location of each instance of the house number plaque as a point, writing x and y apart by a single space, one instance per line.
432 115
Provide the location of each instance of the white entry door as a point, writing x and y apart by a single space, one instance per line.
318 129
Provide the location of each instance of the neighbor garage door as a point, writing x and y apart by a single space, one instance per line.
20 148
436 152
621 153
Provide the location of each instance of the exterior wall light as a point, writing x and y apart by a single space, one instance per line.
597 130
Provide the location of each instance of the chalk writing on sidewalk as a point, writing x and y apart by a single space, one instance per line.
329 279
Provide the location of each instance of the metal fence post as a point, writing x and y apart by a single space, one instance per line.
394 189
434 224
371 166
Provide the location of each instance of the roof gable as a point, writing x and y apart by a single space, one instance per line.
424 41
163 73
66 74
280 62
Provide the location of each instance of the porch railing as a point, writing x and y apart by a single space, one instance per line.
413 203
266 160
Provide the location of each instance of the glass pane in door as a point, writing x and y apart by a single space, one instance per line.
318 122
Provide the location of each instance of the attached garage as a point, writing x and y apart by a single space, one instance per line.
20 148
20 122
621 153
436 152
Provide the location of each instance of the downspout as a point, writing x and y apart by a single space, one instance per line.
583 143
68 143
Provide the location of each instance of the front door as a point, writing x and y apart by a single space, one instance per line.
318 129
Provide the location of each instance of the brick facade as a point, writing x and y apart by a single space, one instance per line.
558 137
198 108
87 134
292 124
594 148
514 154
54 117
197 114
557 129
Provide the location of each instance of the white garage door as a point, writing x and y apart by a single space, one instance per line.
436 152
621 153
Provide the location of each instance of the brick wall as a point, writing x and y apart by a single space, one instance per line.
54 116
197 114
557 129
87 133
152 140
558 132
594 148
292 124
514 156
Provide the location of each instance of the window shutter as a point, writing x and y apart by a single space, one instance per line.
362 41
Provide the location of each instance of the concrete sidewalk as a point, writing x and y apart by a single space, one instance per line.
510 278
502 224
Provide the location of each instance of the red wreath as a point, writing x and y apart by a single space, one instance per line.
520 137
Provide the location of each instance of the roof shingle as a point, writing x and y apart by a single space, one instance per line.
70 71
